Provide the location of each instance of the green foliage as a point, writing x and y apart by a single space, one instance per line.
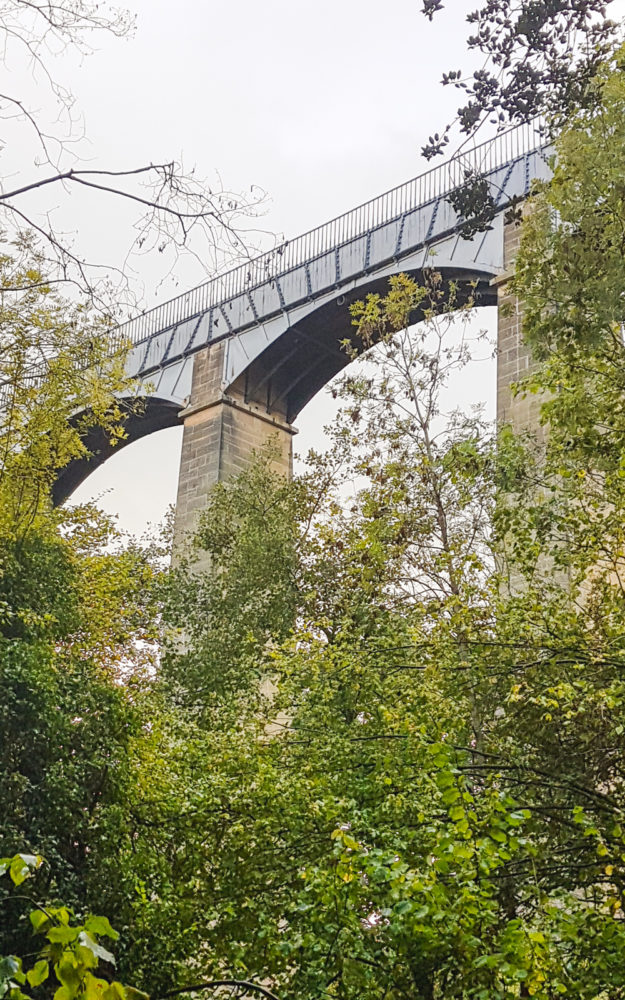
570 275
37 587
540 61
570 269
58 379
75 620
71 952
538 57
383 754
246 594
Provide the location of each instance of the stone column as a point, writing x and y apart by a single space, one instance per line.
221 432
514 360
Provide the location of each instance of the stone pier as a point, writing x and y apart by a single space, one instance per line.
223 428
514 359
226 421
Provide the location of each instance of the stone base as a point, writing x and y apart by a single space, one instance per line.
222 432
514 359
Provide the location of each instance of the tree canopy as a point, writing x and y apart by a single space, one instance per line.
177 211
539 60
376 750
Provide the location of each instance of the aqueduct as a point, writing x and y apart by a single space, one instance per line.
236 359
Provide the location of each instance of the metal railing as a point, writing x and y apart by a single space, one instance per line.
433 184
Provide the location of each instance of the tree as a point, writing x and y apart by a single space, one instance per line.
540 63
74 955
540 59
73 617
43 421
570 277
72 620
441 813
177 210
246 535
72 952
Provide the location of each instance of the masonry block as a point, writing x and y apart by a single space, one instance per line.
222 431
514 359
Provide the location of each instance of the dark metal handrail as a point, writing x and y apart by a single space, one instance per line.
432 184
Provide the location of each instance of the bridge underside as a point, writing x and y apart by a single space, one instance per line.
228 419
238 358
293 369
276 384
144 416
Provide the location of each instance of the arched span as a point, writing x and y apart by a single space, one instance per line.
151 414
283 315
284 376
290 371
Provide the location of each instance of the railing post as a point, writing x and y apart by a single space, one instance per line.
430 185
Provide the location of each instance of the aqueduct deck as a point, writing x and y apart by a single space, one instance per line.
238 357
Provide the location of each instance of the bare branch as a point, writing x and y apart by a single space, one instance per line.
215 984
180 212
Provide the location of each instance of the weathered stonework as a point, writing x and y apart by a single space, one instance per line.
224 425
221 433
514 360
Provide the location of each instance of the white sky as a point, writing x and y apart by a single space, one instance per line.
322 104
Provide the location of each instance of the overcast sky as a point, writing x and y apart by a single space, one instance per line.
323 105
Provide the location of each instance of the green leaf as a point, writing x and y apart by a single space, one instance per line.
100 925
62 934
22 865
39 920
115 991
350 843
404 906
38 974
11 968
68 973
497 835
86 956
86 941
94 988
